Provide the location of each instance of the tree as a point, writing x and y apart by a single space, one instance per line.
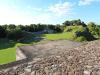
62 28
74 22
27 28
11 26
4 26
71 23
21 26
67 23
78 22
83 24
91 24
57 28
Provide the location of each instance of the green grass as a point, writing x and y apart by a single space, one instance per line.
8 47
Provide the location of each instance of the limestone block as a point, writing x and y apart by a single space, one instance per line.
19 55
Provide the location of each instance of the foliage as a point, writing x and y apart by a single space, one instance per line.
86 34
75 27
62 28
4 26
91 24
80 39
67 23
11 26
57 28
14 34
91 29
71 23
21 27
83 29
78 22
73 37
74 21
2 35
34 28
93 32
27 28
21 40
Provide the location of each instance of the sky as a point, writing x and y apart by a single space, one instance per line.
26 12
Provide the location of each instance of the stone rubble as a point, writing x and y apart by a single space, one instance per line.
84 60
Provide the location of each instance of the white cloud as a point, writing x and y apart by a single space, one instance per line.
37 8
34 12
6 5
28 7
14 6
11 17
61 9
28 17
25 13
45 17
87 2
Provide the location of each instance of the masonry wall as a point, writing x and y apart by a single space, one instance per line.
19 54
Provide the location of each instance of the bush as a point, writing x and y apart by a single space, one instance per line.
14 34
73 37
93 32
80 39
21 40
2 34
83 29
86 34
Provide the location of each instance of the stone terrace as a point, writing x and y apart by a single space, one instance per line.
84 60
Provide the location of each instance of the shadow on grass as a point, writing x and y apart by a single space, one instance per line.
11 43
4 43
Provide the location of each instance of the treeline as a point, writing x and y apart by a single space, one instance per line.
12 31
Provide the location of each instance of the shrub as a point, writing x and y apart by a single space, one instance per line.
80 39
83 29
2 34
21 40
73 37
93 32
14 34
86 34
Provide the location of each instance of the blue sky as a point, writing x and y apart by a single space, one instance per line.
53 12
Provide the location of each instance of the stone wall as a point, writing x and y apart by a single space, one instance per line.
19 54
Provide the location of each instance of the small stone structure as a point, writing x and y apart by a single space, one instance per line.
48 30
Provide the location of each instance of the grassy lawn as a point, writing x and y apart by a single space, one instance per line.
8 47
